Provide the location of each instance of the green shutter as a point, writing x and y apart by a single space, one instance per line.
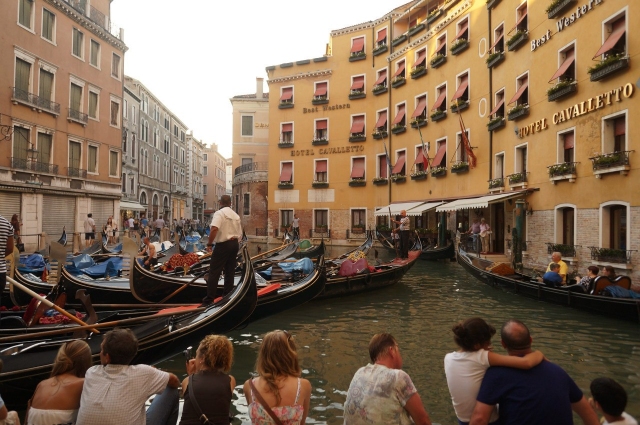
25 12
113 163
23 75
44 148
74 155
76 97
48 21
20 142
46 85
93 159
93 104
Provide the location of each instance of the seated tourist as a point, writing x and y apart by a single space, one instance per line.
552 277
609 398
609 272
556 257
587 281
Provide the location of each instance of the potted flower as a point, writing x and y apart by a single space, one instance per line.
556 7
398 81
380 181
438 60
561 89
399 39
398 128
379 89
285 185
319 183
605 161
398 178
320 100
416 29
517 39
438 115
419 175
380 48
496 183
459 45
356 56
438 171
357 182
418 71
494 58
460 167
285 104
357 228
418 122
517 178
434 15
380 133
518 111
321 228
459 105
495 123
609 65
356 94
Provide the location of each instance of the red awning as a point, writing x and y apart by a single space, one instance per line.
382 34
287 93
420 159
382 120
524 15
357 172
321 166
400 69
358 45
495 108
441 43
420 59
496 41
568 140
358 83
399 165
463 29
565 65
619 127
287 128
617 32
463 86
381 78
400 115
321 125
384 167
357 126
321 89
439 155
521 90
285 174
438 103
422 104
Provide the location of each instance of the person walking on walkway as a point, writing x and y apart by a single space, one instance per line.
89 230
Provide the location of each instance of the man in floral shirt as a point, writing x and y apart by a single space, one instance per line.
381 393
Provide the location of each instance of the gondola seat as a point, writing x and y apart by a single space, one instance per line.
623 282
599 283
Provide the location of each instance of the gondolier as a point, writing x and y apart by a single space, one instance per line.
404 234
226 230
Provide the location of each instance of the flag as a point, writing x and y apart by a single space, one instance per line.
425 152
388 159
466 144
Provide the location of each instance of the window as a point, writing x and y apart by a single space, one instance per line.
381 122
286 172
247 126
420 62
420 113
204 189
321 218
381 39
321 132
400 167
124 182
400 71
75 150
357 168
48 25
286 135
400 120
167 145
45 143
498 109
182 156
357 46
441 46
462 28
286 96
92 159
615 44
144 103
440 160
144 130
521 160
441 99
75 99
421 163
205 171
358 218
182 136
521 98
94 54
25 13
93 104
133 114
357 84
461 96
166 122
499 172
321 173
246 204
321 91
205 157
521 19
357 126
286 218
383 166
22 80
115 66
461 149
45 91
156 136
567 62
567 225
498 40
566 146
115 113
77 43
614 226
21 142
614 134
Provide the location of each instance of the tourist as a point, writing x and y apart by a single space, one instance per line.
544 394
278 390
552 278
130 223
89 230
556 257
57 399
474 231
295 227
8 417
466 367
159 225
111 228
15 223
404 229
150 254
226 231
381 392
609 272
587 281
115 392
485 234
6 248
209 383
610 398
144 222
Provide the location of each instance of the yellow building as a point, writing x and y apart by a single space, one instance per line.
543 126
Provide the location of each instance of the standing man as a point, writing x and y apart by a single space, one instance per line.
115 392
544 394
226 230
89 230
295 226
381 392
485 232
144 222
404 234
556 257
474 231
159 225
6 248
130 223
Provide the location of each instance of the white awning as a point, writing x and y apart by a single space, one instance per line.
131 206
481 202
424 208
396 208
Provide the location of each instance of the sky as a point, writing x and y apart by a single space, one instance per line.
194 55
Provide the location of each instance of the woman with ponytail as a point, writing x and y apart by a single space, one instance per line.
278 395
466 367
57 399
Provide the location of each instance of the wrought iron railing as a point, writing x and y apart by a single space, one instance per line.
564 249
76 172
95 15
611 255
609 160
497 182
78 116
261 231
34 100
253 166
35 166
562 169
517 178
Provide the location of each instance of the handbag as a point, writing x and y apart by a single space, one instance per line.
266 407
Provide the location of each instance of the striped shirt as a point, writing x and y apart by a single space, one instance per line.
404 223
6 231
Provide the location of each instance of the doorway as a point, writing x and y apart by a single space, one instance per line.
497 213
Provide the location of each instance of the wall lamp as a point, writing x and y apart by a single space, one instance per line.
529 210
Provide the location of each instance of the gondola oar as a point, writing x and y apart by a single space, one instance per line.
267 252
50 304
183 287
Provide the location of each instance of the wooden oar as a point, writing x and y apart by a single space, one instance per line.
183 287
267 252
50 304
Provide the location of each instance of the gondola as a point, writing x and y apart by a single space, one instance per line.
192 242
27 360
364 248
308 250
622 308
442 253
385 241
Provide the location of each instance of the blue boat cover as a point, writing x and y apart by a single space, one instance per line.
34 261
82 261
111 266
305 265
620 292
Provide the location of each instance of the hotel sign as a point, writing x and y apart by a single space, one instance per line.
326 108
594 103
565 22
328 151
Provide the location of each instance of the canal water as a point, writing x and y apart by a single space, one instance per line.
332 337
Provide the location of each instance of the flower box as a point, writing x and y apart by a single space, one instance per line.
492 3
398 81
610 255
379 135
517 40
398 128
518 112
438 115
357 230
358 137
418 72
399 40
496 123
418 122
320 184
557 7
561 89
459 106
357 95
321 229
611 163
460 167
285 185
496 183
380 181
459 46
285 145
517 178
419 175
416 29
357 182
320 100
495 59
563 171
380 49
357 56
285 105
379 89
398 178
319 142
438 60
607 67
438 171
434 15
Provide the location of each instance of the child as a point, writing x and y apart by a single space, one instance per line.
466 368
611 399
552 277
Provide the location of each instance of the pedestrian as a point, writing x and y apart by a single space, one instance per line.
295 227
278 390
159 225
226 231
115 392
381 392
610 398
485 234
111 228
89 230
144 222
130 223
6 248
404 229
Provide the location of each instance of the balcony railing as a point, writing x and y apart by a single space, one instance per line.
517 178
35 166
78 116
35 101
608 255
253 166
610 160
564 249
76 172
497 183
96 16
563 169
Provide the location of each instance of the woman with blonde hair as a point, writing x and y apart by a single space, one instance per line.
278 394
57 399
209 387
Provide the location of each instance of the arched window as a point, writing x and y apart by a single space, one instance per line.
155 200
143 198
615 226
165 202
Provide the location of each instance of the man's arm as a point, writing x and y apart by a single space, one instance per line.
586 412
212 236
174 382
9 249
416 410
481 414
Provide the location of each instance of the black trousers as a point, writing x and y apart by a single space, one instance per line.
404 244
223 258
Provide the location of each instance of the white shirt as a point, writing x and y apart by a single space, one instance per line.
115 394
159 223
228 224
627 420
465 370
295 223
89 224
130 222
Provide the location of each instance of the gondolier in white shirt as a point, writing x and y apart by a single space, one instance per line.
226 231
404 234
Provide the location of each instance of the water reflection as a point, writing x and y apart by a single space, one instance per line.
332 338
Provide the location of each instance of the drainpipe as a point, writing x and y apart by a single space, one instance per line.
490 102
391 49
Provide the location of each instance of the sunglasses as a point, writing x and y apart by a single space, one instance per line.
287 334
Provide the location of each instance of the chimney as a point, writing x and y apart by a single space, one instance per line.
259 87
